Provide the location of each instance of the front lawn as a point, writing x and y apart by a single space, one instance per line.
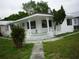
8 51
66 48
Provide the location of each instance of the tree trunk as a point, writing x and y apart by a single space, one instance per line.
17 44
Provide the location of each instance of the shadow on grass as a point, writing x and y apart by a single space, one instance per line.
8 51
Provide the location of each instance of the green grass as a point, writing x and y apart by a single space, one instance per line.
66 48
63 34
8 51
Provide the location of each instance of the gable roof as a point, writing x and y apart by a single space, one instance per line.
32 16
69 16
75 14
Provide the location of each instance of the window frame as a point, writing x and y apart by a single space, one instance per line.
69 21
27 25
33 25
7 28
50 23
44 23
23 24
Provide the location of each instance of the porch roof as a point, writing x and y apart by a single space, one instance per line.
5 22
48 15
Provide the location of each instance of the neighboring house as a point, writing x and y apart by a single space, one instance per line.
41 26
5 28
76 19
76 23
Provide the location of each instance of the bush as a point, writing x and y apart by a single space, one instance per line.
18 35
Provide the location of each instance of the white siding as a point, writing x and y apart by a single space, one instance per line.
65 28
5 30
76 21
40 32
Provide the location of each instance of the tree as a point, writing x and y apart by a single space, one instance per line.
22 14
58 16
62 14
16 16
31 7
42 7
11 17
18 35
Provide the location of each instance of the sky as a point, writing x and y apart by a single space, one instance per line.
8 7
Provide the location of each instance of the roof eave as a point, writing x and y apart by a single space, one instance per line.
32 16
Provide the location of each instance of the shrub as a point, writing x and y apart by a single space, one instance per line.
18 35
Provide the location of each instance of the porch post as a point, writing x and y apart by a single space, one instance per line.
47 19
29 27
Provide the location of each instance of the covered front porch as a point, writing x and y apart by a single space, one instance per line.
40 27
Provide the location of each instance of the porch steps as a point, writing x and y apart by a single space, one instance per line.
39 37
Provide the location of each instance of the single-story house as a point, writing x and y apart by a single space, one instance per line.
5 29
40 26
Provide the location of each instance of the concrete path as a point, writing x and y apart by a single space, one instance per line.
37 52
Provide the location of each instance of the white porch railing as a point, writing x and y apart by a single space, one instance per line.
42 31
39 36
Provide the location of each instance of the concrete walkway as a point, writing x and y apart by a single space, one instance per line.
37 52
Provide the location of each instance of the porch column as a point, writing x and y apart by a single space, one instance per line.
29 27
47 19
9 29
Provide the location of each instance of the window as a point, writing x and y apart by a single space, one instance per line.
7 28
11 25
27 25
78 21
75 21
69 21
50 23
33 25
23 24
76 27
44 23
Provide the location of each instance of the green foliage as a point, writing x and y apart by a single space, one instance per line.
29 5
11 17
22 14
40 7
58 16
18 35
16 16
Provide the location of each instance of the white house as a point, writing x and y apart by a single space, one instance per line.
5 28
40 26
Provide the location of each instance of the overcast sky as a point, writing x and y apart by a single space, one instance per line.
8 7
